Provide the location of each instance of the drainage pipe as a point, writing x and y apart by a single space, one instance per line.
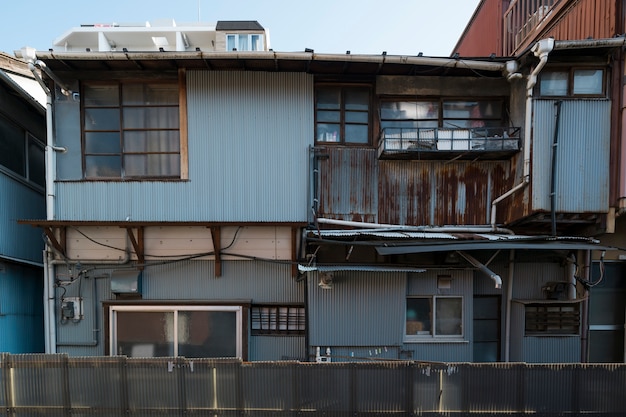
49 304
482 268
541 50
404 228
555 145
509 300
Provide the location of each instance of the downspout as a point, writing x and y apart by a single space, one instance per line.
555 144
584 314
509 300
30 56
541 50
622 162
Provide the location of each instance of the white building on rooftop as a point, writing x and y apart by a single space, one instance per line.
165 35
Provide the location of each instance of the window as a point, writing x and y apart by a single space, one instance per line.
342 115
244 42
277 320
21 153
190 331
451 114
434 316
131 130
552 319
572 82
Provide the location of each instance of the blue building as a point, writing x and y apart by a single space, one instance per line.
22 182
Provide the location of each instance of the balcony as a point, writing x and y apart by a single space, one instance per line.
446 143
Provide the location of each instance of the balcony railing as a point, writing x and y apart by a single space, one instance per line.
520 21
439 143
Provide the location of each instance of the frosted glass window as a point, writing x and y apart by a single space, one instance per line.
588 81
553 84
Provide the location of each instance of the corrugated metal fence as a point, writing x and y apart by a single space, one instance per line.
58 385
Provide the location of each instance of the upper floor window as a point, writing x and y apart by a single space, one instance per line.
244 42
131 130
342 114
572 82
21 153
277 320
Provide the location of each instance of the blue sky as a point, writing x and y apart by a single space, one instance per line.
400 27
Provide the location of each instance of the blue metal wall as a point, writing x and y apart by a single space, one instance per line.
19 201
21 308
582 166
248 141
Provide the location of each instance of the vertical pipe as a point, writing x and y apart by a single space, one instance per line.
555 145
509 298
584 314
49 304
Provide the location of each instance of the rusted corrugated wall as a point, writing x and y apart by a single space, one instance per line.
356 186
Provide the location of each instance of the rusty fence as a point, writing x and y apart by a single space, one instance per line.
58 385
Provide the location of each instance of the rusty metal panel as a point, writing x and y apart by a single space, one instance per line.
584 19
348 183
440 192
481 36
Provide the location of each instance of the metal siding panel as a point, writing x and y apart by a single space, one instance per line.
548 349
582 178
21 308
248 141
584 19
440 193
18 240
361 309
261 282
348 184
275 348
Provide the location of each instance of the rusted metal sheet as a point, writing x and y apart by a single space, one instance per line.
355 186
440 192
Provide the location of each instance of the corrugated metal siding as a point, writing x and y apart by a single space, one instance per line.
249 134
482 37
275 348
348 185
20 202
440 193
583 19
21 308
582 177
547 349
260 282
362 309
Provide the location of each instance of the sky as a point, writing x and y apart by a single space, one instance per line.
399 27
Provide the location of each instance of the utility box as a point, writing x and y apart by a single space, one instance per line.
126 281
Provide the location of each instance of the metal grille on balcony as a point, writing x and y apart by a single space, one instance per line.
444 143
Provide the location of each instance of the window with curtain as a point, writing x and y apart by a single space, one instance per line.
131 130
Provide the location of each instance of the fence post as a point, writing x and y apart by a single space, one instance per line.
6 367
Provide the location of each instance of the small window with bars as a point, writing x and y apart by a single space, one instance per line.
552 319
277 320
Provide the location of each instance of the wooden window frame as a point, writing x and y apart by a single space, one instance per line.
342 111
272 324
549 319
182 129
570 71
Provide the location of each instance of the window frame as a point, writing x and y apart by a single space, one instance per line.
432 336
239 310
270 326
26 156
343 88
571 79
249 37
180 83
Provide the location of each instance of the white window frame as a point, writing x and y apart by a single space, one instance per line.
248 37
432 336
113 309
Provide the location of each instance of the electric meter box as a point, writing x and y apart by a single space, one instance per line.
126 281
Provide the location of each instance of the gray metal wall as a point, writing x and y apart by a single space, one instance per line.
248 141
21 308
19 201
582 167
256 282
363 315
